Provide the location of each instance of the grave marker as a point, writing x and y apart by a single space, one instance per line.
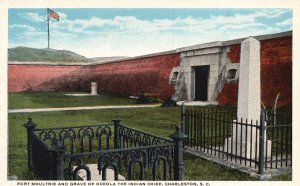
243 140
94 88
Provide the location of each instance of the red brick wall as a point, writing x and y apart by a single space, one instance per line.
276 73
137 76
44 77
234 53
131 77
228 95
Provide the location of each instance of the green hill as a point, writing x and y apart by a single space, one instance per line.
51 55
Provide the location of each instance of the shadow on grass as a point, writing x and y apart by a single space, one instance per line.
60 99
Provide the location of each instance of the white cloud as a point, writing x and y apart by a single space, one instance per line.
32 16
131 24
131 36
285 23
273 13
242 26
23 27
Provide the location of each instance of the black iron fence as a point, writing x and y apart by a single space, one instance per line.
279 132
260 144
71 152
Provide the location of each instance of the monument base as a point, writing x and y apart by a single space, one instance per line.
81 95
249 150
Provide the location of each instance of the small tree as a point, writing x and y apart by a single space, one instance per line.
274 108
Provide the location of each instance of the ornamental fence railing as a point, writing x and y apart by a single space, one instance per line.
262 145
91 152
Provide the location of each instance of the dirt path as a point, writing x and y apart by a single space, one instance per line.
81 108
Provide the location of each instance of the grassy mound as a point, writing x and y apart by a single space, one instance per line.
51 55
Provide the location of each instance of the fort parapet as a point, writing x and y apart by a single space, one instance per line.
205 72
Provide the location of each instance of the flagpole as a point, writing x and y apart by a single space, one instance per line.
48 28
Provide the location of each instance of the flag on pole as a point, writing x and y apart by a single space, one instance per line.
53 14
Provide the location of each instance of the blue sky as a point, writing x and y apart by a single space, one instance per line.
132 32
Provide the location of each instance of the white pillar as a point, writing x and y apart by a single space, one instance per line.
249 104
249 101
249 80
94 88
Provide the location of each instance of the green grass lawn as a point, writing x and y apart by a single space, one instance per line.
150 120
60 99
158 121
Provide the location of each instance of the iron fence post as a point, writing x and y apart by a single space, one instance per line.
59 153
183 115
262 129
30 127
178 138
117 140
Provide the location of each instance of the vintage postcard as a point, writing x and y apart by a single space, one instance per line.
190 93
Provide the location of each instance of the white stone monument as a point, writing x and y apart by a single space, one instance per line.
94 88
243 140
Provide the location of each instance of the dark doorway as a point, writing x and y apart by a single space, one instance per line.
201 82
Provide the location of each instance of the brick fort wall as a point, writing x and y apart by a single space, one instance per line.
134 77
129 77
151 75
276 73
22 78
